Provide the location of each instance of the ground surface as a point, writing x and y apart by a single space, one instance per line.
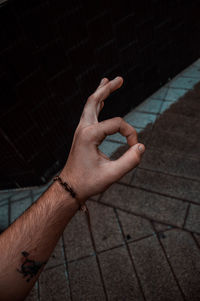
146 226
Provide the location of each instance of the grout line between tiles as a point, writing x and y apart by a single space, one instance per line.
66 266
158 193
129 253
144 216
196 242
186 215
169 263
169 174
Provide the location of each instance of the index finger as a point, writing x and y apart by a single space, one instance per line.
90 111
114 125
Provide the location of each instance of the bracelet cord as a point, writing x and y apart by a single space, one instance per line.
82 207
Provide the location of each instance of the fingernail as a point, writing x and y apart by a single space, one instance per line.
141 148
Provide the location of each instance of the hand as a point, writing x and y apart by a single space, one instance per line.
87 170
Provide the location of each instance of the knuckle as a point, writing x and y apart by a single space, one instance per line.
86 133
119 119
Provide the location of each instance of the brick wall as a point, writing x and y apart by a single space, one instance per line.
53 55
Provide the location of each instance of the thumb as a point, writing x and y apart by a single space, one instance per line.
129 160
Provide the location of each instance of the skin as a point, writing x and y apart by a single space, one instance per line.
27 244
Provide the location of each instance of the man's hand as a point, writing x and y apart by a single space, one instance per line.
88 171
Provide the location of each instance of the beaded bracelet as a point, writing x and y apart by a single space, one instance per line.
82 207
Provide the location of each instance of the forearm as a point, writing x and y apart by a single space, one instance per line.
33 236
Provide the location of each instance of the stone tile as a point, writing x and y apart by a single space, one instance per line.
196 63
150 105
134 227
108 147
193 219
107 233
85 280
192 71
126 179
17 208
4 197
21 194
167 184
35 197
57 257
182 108
161 227
174 94
138 119
54 284
3 217
179 166
161 93
147 204
117 137
33 295
77 241
184 256
165 106
183 82
177 123
153 270
197 236
119 277
174 143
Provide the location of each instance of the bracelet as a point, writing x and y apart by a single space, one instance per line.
82 207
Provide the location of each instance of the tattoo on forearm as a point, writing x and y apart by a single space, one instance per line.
29 267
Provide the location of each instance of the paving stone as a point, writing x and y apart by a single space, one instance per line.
21 194
33 295
54 284
171 164
57 257
139 119
174 94
197 236
107 233
3 217
165 106
119 138
4 196
184 256
35 197
161 227
126 179
174 143
108 147
161 93
177 123
196 63
134 227
183 82
77 240
192 71
17 208
119 277
85 280
193 219
153 270
167 184
147 204
150 105
182 108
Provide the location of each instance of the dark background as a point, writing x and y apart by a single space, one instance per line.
52 57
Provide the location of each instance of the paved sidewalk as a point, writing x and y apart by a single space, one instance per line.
146 226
